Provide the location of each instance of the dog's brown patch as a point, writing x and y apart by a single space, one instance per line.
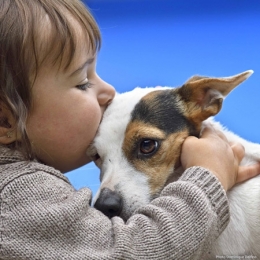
150 97
160 165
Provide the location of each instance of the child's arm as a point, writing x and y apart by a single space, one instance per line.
43 217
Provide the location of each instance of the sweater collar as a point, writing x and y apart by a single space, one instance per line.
8 155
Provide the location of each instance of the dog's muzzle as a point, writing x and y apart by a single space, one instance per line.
109 202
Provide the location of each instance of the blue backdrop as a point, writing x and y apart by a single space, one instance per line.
164 42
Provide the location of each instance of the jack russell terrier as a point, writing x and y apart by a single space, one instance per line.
138 146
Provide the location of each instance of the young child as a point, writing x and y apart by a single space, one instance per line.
51 104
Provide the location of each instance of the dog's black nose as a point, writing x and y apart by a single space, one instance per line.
109 202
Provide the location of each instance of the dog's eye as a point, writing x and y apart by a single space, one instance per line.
148 146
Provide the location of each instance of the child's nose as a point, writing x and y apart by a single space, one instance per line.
106 94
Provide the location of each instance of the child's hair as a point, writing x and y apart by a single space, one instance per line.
23 49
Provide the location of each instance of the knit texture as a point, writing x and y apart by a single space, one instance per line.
43 217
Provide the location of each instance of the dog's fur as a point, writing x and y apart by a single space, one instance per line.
139 143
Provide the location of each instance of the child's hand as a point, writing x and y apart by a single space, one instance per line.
213 152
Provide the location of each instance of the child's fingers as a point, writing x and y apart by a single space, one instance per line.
247 172
209 130
238 150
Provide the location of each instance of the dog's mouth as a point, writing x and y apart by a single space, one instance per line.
94 156
97 160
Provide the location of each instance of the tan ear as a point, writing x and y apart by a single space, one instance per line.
203 96
8 132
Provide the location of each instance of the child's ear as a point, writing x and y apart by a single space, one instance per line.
202 97
8 132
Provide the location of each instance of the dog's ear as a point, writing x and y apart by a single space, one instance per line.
202 97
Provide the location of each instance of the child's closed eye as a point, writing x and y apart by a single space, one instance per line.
84 86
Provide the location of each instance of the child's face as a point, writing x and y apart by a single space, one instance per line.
66 113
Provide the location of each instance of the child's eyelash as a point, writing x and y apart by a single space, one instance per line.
84 86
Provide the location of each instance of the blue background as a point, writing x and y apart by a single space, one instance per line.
164 42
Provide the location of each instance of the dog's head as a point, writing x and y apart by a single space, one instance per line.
139 141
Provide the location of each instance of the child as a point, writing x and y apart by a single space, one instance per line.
51 104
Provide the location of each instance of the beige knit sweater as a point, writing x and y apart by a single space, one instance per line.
44 217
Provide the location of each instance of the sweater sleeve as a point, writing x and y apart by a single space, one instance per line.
44 217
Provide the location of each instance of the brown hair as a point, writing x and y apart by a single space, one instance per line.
22 50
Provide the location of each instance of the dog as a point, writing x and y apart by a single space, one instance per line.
138 145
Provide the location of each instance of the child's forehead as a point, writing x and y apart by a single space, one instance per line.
66 46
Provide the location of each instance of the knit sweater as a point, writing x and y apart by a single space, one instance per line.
44 217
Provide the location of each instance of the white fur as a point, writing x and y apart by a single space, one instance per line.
241 237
